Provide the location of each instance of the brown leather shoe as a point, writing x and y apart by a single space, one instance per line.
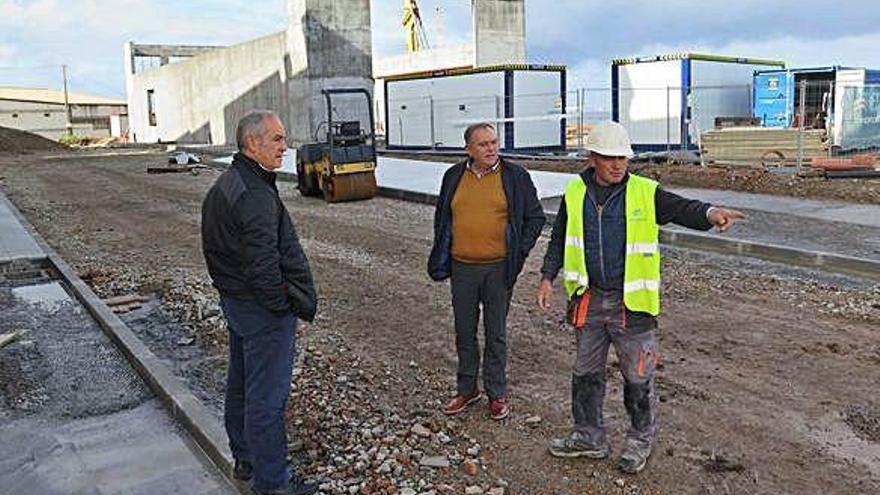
498 408
460 402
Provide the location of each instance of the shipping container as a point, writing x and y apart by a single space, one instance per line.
827 91
667 101
526 103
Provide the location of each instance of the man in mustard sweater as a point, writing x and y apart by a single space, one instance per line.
487 220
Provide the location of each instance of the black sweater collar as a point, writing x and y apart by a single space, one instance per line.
243 160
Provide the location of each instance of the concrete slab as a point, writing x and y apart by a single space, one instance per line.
828 210
75 417
288 162
16 242
425 177
839 236
135 451
833 211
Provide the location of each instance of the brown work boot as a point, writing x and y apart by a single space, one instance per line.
460 402
498 408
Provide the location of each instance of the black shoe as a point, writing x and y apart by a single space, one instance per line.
243 470
296 486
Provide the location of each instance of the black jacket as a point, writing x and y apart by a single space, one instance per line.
605 229
250 244
525 219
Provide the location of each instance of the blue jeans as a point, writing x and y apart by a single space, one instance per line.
261 351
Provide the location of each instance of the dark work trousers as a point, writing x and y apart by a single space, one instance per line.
474 285
636 349
261 351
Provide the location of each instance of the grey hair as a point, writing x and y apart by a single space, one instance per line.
473 127
254 123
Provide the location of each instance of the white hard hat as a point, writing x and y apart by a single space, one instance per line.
610 139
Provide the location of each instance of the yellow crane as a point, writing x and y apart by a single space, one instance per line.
416 39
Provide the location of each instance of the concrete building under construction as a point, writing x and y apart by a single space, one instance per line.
198 93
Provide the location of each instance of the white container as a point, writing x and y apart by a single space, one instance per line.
668 100
431 111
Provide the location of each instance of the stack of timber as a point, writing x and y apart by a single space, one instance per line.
761 146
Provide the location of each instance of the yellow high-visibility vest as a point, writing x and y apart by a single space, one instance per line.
641 274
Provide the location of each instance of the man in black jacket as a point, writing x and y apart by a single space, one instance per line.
487 220
257 264
605 240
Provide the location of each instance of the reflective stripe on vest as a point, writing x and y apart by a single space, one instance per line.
574 260
641 277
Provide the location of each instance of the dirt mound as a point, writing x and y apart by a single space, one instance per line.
16 141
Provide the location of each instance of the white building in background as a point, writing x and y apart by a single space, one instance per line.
42 111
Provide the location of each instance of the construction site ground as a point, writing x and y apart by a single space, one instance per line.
767 383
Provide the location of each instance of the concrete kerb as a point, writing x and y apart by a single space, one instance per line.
848 265
182 405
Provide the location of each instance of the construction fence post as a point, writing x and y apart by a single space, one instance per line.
431 116
668 124
827 108
581 97
801 124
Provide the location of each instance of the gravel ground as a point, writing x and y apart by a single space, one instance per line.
64 366
766 383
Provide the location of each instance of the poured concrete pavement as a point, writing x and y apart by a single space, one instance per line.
75 417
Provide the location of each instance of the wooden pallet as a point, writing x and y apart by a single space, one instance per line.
758 146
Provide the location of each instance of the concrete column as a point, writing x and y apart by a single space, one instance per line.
499 31
131 99
329 46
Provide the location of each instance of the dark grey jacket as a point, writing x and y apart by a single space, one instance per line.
525 219
250 244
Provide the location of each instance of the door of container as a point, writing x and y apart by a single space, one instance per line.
774 98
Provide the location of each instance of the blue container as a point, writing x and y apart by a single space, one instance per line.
773 101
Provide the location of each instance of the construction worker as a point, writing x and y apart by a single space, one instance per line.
487 220
605 240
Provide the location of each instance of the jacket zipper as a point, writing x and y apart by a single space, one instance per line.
599 209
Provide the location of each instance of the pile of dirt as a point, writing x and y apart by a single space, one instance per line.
16 141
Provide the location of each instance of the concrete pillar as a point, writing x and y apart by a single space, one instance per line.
329 46
131 99
499 31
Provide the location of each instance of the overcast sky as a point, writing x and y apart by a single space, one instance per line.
37 36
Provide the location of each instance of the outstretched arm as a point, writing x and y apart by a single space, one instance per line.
724 218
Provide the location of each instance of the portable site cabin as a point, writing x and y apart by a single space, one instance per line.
829 94
526 103
667 100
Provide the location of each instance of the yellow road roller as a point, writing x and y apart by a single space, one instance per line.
342 166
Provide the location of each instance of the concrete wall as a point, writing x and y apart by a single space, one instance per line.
499 31
326 45
202 98
329 46
50 120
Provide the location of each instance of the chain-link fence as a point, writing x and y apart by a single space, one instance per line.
779 124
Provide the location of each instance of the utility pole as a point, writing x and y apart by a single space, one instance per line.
69 124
